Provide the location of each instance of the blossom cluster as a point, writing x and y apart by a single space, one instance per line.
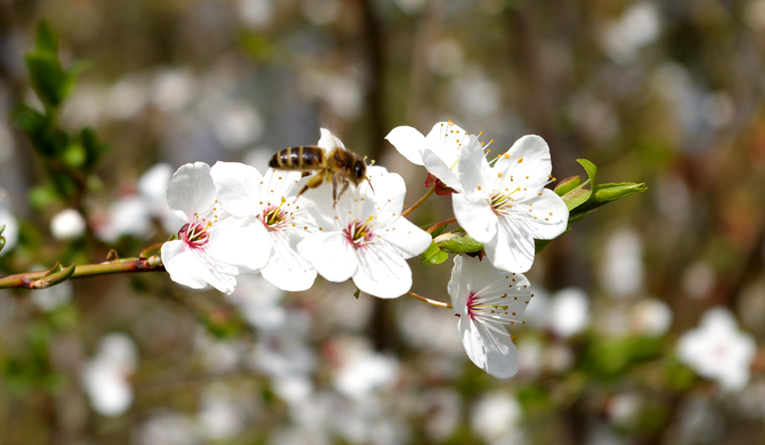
236 220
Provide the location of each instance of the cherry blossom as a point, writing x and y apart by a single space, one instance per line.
282 221
364 236
213 246
438 152
485 298
506 206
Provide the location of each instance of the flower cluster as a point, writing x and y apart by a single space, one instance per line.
502 203
235 220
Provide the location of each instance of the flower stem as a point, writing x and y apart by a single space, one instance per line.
419 203
441 224
127 265
429 301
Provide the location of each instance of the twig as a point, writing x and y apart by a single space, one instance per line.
429 301
127 265
419 203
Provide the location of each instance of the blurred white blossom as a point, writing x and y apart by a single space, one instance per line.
362 372
446 57
67 225
106 376
698 279
172 89
651 317
569 312
637 27
718 350
11 232
496 416
622 265
53 297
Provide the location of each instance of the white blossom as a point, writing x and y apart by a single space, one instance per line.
272 200
507 206
651 317
569 312
213 245
364 236
67 225
496 416
718 350
485 299
438 152
11 232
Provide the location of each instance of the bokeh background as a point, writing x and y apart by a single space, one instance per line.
664 92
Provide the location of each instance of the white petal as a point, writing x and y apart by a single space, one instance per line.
409 142
182 265
475 174
388 196
286 269
547 219
511 250
331 254
438 168
238 187
243 243
472 340
477 218
501 354
409 239
329 141
459 285
529 156
191 190
382 272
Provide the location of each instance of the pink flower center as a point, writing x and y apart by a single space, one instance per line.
472 301
195 235
359 234
274 217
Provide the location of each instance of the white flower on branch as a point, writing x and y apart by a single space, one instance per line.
364 236
213 246
272 200
506 206
68 224
718 350
485 299
438 152
106 377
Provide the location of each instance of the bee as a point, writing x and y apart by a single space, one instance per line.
337 164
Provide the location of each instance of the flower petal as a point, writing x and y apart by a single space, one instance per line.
501 355
331 254
238 186
438 168
182 265
382 272
475 174
191 189
547 219
512 249
477 218
329 141
409 142
243 243
286 269
528 157
407 238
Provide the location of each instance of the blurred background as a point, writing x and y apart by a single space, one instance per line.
648 316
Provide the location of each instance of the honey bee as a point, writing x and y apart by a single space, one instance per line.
337 164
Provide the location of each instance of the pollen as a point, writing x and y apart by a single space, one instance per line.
499 175
520 160
507 156
479 187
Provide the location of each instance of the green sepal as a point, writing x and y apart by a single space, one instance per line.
357 294
576 195
433 255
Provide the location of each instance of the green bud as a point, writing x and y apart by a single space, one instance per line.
57 275
603 195
567 185
357 294
433 255
150 251
2 229
2 242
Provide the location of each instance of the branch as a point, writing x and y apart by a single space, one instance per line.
37 280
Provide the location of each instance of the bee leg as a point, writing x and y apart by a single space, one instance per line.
312 183
334 191
345 187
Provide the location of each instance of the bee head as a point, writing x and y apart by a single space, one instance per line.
359 171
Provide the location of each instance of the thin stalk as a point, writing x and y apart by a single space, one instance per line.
441 224
127 265
419 203
429 301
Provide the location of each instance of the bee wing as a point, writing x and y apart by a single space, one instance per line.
329 141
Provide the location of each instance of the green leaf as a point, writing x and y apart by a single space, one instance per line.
2 242
433 255
94 149
567 185
576 198
357 294
2 229
46 40
74 155
458 243
591 170
47 78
